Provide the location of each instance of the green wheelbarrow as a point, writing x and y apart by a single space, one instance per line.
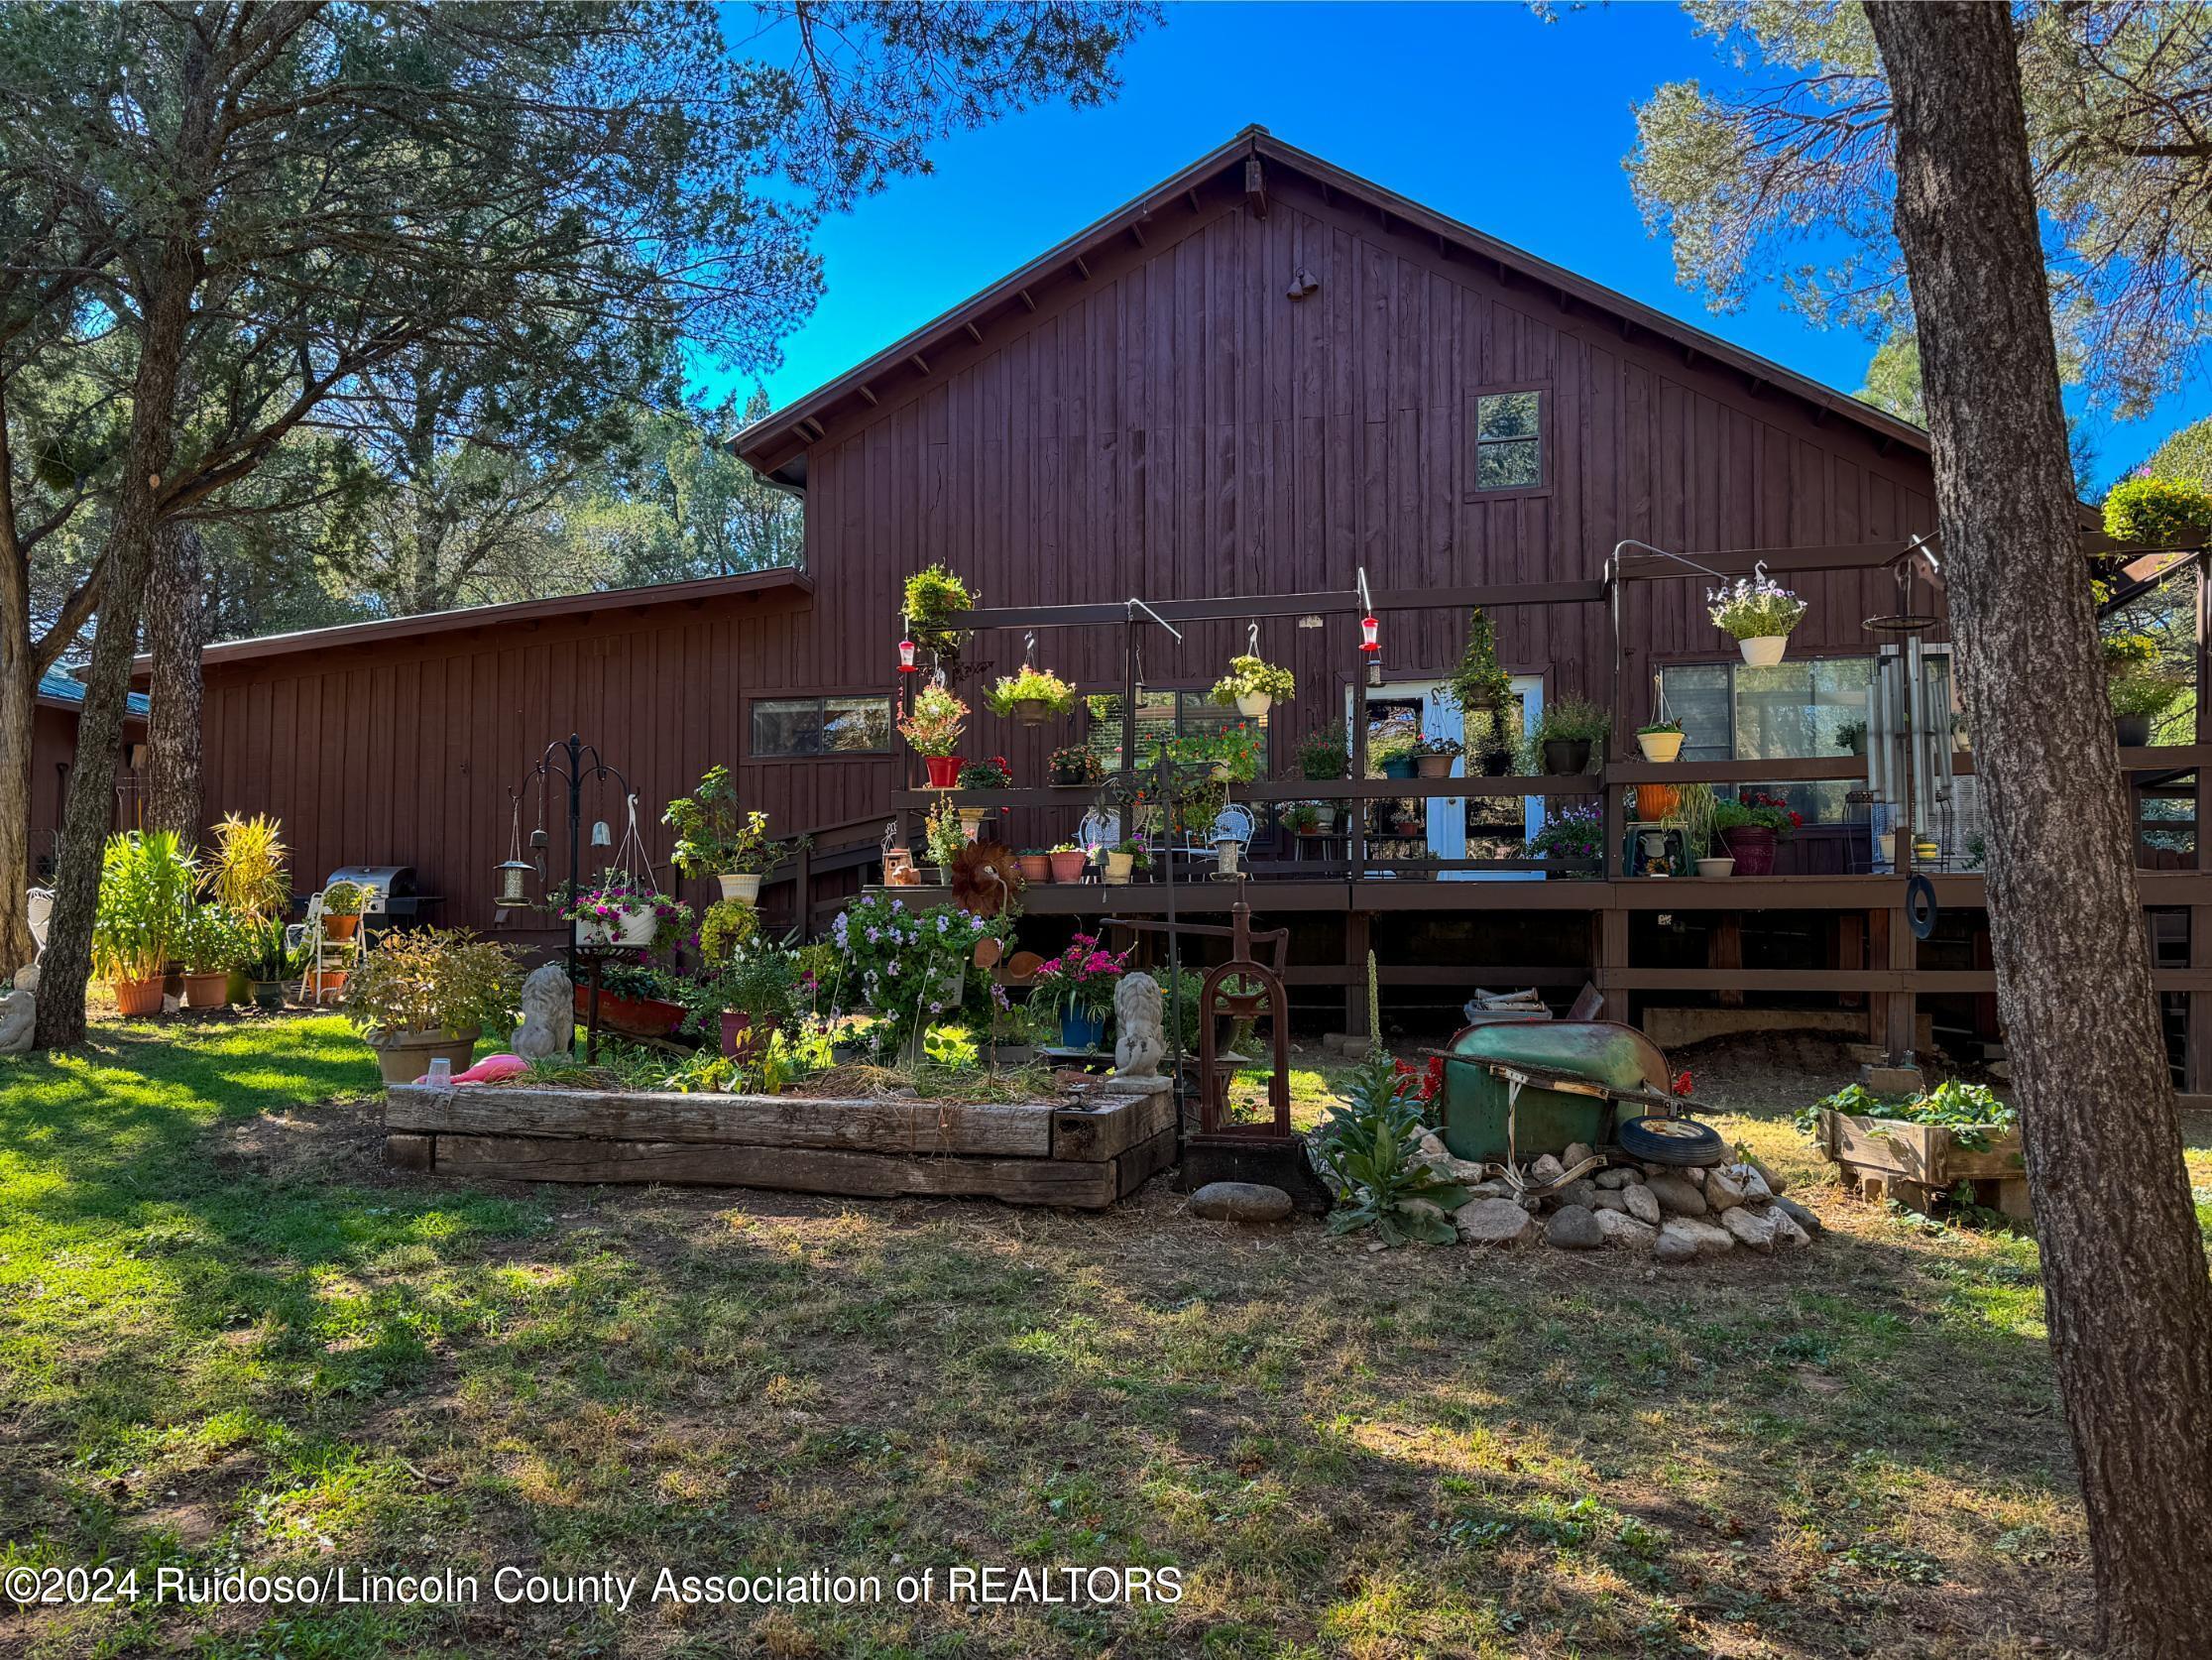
1514 1091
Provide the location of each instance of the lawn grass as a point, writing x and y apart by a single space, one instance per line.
229 1337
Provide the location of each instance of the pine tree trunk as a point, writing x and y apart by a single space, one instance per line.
174 628
2129 1307
19 684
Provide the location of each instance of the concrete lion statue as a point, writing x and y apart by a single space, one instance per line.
1140 1040
549 1013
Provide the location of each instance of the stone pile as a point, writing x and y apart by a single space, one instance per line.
1655 1210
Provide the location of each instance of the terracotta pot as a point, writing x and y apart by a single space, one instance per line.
404 1056
1432 765
327 984
943 770
1752 847
208 991
745 888
137 998
1660 745
340 927
1655 801
1763 650
1034 867
1066 867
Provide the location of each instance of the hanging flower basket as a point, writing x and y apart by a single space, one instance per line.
1032 697
1758 613
1661 742
1254 685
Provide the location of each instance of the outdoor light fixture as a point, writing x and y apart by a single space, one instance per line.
906 663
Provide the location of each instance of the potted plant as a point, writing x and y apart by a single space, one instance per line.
617 908
1566 731
1075 765
1570 832
1432 757
1758 613
742 1000
424 992
1390 752
146 888
2140 696
933 594
1661 740
1122 862
269 963
1067 860
1480 683
635 997
1324 754
715 839
933 731
1031 696
1034 863
944 835
1850 737
1749 827
1254 685
1080 984
342 904
212 945
1303 818
246 876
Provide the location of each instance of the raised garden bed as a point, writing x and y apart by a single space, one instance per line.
1085 1151
1917 1163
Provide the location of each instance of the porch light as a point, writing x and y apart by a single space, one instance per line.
906 663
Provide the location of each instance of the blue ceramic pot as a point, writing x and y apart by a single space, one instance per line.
1080 1030
1398 767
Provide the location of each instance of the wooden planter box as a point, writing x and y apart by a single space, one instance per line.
1086 1152
1917 1163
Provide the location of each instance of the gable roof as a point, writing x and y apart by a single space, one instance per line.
774 443
68 692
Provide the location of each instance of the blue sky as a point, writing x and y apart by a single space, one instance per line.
1485 113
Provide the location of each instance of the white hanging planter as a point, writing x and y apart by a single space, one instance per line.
1764 651
635 929
745 888
1252 705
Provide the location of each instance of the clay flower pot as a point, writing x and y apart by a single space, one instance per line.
1034 867
340 927
137 998
406 1056
1068 866
208 991
1432 765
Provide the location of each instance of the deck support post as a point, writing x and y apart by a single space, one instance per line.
1899 1008
1358 938
1724 950
1612 956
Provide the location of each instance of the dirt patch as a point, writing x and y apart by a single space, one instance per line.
340 1141
1766 1071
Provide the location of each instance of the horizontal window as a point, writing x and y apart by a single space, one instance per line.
1797 709
798 726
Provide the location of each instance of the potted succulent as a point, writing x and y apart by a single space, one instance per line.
1080 983
1254 685
932 595
1034 863
1391 751
342 904
1566 731
1067 860
1432 757
1075 765
1661 740
424 992
933 731
1749 827
617 908
2140 696
1758 613
1031 696
145 889
212 945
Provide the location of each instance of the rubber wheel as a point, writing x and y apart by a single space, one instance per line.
1678 1141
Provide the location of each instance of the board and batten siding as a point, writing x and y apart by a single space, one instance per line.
1177 427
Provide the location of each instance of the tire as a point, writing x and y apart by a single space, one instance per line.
1684 1142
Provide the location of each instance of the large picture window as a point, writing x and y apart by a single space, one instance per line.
786 726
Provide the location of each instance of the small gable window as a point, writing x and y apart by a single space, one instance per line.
1509 441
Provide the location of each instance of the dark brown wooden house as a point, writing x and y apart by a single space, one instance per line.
1263 379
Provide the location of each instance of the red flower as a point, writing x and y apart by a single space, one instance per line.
1681 1082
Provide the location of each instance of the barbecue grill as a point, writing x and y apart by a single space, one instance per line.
390 891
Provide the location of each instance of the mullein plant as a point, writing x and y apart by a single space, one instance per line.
1369 1147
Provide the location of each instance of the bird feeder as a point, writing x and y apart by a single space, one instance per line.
1370 649
906 663
513 882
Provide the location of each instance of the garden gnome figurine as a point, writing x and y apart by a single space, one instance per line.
548 1014
1140 1041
